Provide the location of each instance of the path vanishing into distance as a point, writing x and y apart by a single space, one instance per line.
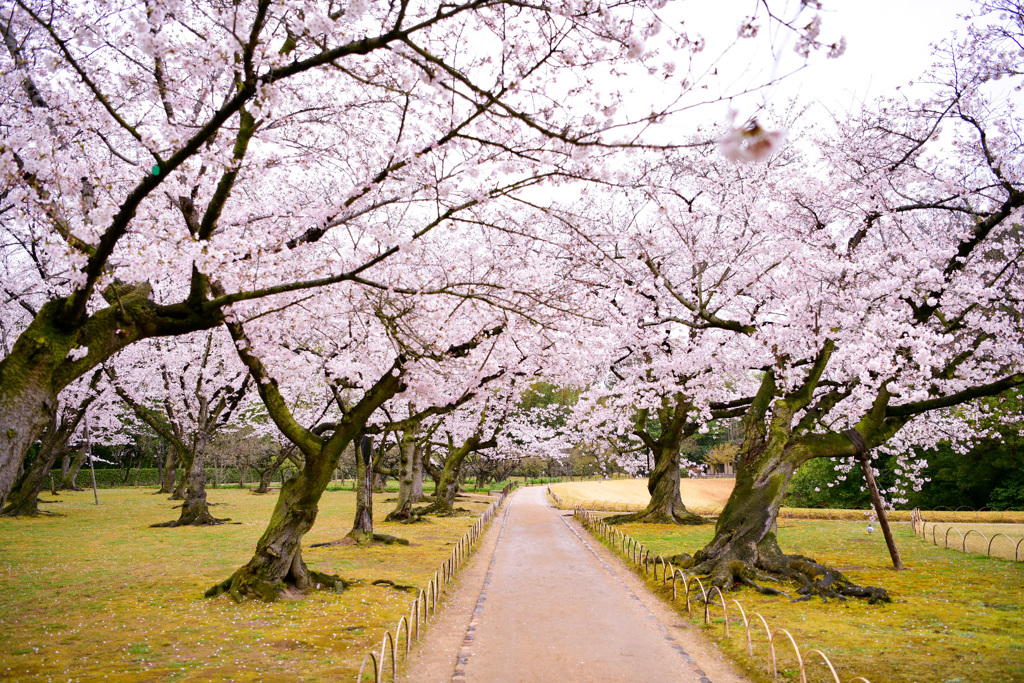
543 601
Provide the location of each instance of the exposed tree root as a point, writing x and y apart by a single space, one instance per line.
246 584
396 586
441 511
359 538
399 516
203 518
658 517
29 513
742 565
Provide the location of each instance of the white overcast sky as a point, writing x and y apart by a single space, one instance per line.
888 45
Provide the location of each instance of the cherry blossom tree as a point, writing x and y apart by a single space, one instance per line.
192 392
162 162
880 286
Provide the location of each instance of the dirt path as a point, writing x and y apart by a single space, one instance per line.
542 601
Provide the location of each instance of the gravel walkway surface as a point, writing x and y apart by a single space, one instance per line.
544 601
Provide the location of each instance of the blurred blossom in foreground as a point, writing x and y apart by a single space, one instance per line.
750 142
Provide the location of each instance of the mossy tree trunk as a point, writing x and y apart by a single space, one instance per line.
188 437
451 473
267 473
195 510
69 480
181 487
409 449
53 444
744 550
277 568
448 482
24 499
666 504
362 524
416 490
782 431
169 471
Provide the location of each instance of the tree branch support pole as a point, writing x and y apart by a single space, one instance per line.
876 498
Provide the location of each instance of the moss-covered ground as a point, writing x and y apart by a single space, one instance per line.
95 593
955 618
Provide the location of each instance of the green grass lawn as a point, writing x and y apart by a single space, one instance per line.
95 593
954 618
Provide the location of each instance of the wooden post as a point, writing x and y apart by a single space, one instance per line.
876 501
88 445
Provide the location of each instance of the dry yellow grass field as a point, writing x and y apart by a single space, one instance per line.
706 496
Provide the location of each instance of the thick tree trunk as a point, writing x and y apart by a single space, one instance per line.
27 404
69 482
448 484
666 504
184 459
195 511
745 551
265 478
406 475
167 475
25 499
277 569
267 475
362 526
416 493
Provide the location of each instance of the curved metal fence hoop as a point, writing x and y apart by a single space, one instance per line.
414 615
796 649
408 634
431 599
968 534
373 658
859 678
746 626
703 593
989 553
1016 550
771 643
664 568
952 528
725 610
677 573
831 668
388 638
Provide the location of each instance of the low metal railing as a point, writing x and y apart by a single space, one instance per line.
920 527
427 597
640 556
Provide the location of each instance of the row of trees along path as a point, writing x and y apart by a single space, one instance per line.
446 228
